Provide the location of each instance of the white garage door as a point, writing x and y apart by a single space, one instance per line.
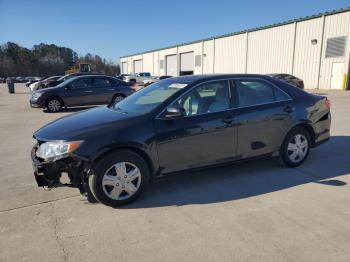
137 66
171 65
124 67
186 63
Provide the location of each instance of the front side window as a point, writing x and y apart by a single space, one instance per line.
206 98
255 92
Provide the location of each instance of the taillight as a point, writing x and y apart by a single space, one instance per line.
327 102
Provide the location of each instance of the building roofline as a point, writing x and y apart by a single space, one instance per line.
301 19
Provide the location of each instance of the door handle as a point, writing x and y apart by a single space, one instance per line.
88 91
111 89
288 109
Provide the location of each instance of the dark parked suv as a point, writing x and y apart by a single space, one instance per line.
290 79
178 124
80 91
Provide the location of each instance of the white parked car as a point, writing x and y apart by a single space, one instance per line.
42 83
33 86
154 79
138 78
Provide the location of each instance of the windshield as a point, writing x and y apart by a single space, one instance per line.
66 77
150 97
66 81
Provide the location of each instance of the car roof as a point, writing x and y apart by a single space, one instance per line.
83 76
192 80
208 77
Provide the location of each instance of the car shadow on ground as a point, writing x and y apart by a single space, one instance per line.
249 179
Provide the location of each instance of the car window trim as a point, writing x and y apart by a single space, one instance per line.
273 86
77 88
233 107
94 78
195 86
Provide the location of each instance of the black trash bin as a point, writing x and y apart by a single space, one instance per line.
10 86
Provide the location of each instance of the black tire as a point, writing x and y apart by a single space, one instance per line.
286 154
132 81
54 104
117 98
105 165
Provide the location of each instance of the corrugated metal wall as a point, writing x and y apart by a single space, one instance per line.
307 55
230 54
208 57
271 50
335 25
156 63
281 49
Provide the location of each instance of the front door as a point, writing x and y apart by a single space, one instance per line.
79 92
337 76
205 136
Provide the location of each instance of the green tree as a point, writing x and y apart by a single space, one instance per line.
47 60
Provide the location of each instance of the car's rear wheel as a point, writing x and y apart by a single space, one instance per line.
295 147
119 178
54 104
118 98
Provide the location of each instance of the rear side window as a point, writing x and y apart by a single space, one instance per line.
255 92
281 96
81 83
104 81
101 82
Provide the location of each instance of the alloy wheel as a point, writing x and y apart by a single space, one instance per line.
54 105
118 99
121 181
297 148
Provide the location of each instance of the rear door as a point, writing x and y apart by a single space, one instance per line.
265 113
104 89
79 92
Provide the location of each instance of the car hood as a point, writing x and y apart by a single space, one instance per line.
82 124
46 89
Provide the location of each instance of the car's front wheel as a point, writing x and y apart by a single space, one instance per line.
119 178
54 104
118 98
295 147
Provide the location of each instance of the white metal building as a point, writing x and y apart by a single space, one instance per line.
315 48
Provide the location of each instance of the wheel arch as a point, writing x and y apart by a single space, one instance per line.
134 149
307 126
118 94
54 96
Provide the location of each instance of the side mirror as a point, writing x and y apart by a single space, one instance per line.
174 112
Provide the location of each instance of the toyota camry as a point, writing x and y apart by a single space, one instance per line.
177 124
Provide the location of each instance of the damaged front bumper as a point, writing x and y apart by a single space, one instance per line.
50 174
